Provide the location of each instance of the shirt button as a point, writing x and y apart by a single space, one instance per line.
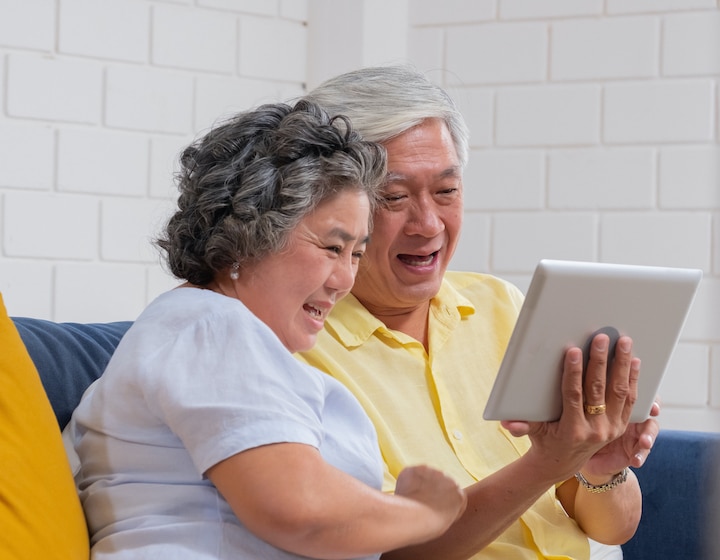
457 434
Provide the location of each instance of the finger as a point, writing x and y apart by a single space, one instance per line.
572 382
655 409
596 374
648 434
632 388
622 386
517 428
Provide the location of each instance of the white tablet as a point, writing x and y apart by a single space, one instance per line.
566 304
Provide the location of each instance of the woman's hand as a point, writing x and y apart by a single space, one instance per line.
435 489
289 496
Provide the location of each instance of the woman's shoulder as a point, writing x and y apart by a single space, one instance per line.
192 308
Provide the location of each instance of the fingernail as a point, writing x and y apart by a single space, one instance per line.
624 345
639 458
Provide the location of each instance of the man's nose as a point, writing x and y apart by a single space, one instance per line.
424 219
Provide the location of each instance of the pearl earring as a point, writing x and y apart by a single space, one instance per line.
234 274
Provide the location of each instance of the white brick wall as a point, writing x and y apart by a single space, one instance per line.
100 151
96 101
53 89
474 49
32 25
49 226
547 115
184 37
659 111
595 127
595 135
591 49
594 178
112 29
28 156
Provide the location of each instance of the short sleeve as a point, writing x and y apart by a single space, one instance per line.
225 384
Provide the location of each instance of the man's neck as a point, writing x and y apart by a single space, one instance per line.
413 321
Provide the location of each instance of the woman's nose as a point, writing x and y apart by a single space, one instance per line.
343 276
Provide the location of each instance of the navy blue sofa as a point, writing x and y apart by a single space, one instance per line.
680 481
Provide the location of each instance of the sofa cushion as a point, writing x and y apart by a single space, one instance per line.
681 499
40 512
69 357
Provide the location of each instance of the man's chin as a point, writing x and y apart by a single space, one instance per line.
402 289
423 292
415 290
420 277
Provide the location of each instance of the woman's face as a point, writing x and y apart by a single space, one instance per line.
293 291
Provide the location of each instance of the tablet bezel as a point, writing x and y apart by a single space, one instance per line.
568 301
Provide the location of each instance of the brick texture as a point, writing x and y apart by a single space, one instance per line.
96 102
594 135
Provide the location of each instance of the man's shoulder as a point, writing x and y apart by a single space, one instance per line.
474 285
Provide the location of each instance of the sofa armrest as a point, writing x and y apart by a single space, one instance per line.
681 499
69 357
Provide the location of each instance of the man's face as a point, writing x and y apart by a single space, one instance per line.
415 235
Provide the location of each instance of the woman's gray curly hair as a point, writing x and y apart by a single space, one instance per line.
247 183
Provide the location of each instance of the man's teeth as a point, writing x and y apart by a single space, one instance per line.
417 260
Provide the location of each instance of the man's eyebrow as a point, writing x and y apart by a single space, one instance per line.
450 172
392 177
454 171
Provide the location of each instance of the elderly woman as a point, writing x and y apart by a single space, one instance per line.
205 437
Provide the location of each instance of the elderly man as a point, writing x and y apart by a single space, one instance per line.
420 346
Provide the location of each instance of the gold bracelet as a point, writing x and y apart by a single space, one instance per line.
616 480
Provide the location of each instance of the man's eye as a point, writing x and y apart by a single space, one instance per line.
335 249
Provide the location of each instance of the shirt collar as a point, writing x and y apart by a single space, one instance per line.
353 324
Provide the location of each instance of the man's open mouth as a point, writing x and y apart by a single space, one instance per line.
418 260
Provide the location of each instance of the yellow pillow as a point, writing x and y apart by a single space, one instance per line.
40 512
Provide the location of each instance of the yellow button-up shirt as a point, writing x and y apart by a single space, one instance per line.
427 406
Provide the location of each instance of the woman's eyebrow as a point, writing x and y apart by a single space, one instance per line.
346 236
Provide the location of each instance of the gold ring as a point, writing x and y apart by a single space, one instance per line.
595 408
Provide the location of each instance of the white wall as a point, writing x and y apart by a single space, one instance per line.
97 98
594 132
595 137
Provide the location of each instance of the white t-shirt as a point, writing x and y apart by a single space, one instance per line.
197 379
